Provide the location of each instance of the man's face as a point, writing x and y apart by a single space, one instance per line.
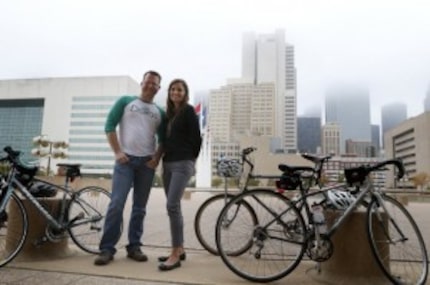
150 85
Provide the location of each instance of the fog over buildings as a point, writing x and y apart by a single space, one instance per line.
382 44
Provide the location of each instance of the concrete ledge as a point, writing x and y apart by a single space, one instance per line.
36 230
352 256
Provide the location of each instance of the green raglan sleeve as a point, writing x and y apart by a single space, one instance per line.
116 112
162 128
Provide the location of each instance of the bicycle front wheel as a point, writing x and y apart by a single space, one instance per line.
86 213
205 220
13 229
396 242
275 241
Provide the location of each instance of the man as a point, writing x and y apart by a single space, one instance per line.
136 157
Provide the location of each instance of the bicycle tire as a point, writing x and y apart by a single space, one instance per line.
12 242
225 221
205 220
407 260
278 241
86 215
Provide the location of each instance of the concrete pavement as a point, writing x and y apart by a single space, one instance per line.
199 268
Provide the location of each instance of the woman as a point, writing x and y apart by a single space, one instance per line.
181 148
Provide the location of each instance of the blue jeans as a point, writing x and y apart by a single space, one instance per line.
176 175
134 174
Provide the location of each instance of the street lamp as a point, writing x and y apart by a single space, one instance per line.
50 149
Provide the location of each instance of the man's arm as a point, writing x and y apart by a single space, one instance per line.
153 163
112 120
114 145
161 134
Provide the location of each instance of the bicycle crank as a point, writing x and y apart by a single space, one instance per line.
319 249
55 235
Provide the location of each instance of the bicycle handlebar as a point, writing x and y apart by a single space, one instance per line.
12 156
248 150
395 162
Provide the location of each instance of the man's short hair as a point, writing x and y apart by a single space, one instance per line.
152 72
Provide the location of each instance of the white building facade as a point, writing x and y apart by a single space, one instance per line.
73 110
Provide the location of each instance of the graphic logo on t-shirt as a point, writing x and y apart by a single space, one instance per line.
145 110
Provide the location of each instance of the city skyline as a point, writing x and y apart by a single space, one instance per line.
383 45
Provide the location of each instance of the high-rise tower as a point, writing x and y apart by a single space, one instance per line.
267 58
392 115
427 100
349 107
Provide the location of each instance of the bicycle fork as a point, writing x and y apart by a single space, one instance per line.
390 220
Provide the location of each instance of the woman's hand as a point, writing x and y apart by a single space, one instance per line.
153 163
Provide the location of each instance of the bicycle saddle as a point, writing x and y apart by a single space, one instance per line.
291 169
315 159
72 170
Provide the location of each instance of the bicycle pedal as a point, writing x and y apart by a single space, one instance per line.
79 216
38 242
95 228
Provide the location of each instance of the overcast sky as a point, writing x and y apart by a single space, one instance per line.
384 44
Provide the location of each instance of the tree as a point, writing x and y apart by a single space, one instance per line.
216 182
271 183
341 178
420 180
253 182
4 168
324 179
158 182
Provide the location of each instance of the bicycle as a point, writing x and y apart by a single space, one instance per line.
227 168
243 170
275 236
80 215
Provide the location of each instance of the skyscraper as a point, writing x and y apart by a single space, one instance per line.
308 134
330 138
392 115
267 58
349 107
241 109
376 139
427 100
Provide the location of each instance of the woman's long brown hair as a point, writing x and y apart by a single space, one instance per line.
170 112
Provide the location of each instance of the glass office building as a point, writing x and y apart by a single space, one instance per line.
20 121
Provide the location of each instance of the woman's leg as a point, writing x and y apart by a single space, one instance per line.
179 173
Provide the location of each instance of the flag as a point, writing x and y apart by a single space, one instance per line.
198 108
203 119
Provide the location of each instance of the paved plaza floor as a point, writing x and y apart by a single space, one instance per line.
200 267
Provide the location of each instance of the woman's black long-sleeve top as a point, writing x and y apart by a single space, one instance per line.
183 138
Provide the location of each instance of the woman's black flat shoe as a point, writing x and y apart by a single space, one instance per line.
164 267
182 257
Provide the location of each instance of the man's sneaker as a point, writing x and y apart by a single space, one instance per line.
104 258
137 255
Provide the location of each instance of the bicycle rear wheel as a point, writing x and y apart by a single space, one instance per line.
277 237
86 213
205 220
396 242
13 229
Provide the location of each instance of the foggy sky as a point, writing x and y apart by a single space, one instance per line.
382 44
